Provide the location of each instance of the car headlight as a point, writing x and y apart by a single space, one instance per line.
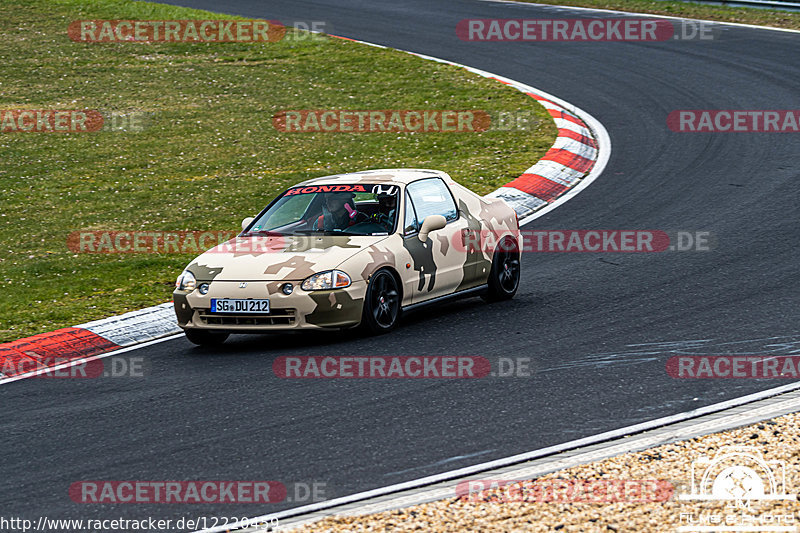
332 279
186 281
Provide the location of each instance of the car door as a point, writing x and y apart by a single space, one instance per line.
437 265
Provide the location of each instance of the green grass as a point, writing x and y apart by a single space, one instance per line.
741 15
209 156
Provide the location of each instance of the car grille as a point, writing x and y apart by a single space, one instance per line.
276 317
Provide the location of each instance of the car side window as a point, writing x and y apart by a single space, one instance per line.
432 197
410 224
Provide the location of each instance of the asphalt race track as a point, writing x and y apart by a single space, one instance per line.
582 319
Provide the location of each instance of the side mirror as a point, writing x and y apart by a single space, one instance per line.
431 223
246 222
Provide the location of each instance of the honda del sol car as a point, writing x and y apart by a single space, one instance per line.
351 250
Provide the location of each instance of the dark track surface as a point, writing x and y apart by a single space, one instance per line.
223 414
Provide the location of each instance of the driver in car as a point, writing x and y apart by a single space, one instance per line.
387 205
339 212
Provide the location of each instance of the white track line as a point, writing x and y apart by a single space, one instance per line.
679 431
616 12
508 461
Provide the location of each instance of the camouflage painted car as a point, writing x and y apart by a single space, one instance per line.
352 249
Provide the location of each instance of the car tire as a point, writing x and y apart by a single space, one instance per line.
381 303
505 272
204 337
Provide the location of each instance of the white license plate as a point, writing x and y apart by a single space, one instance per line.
219 305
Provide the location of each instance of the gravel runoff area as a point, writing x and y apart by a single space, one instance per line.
638 492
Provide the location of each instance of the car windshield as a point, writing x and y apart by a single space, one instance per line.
357 209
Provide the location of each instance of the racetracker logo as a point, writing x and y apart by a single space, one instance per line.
734 120
566 490
72 121
378 120
185 492
175 242
176 31
50 120
428 367
314 30
64 367
734 367
581 30
603 241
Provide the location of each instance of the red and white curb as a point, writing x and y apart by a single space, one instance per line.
577 157
33 355
571 158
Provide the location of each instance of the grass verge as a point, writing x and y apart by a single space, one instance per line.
209 155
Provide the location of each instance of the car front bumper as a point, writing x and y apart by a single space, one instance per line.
339 308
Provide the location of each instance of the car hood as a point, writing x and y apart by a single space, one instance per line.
275 258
